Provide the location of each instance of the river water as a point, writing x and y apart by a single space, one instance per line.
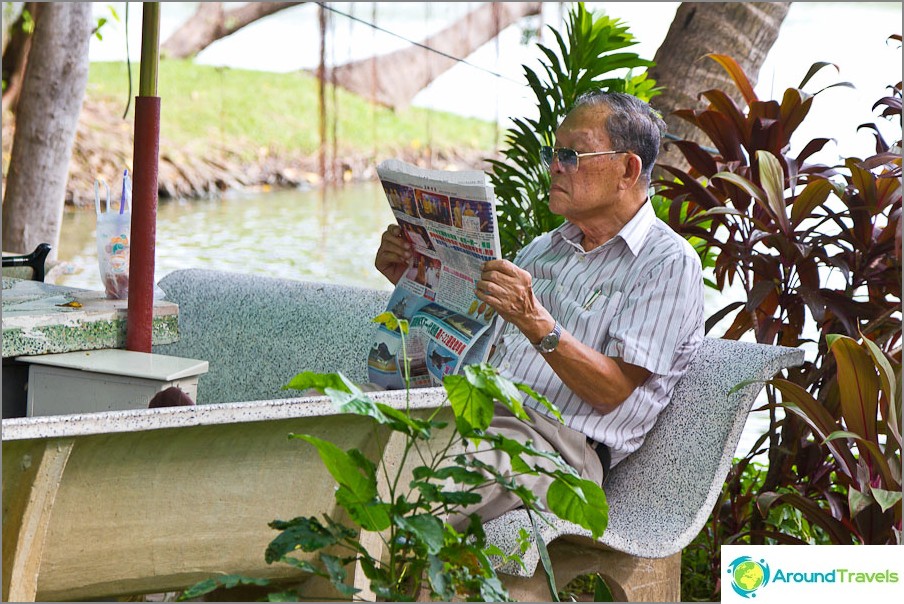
328 236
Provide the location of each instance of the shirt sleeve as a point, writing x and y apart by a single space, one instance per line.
662 312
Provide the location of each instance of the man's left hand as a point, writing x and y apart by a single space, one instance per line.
508 290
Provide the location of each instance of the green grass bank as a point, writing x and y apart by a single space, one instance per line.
224 128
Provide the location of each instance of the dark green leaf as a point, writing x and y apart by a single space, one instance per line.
426 528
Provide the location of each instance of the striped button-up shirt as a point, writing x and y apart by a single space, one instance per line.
638 297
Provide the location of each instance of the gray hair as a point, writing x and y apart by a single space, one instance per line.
633 125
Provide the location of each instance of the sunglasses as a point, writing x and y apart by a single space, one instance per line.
568 158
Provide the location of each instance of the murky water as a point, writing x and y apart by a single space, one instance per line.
328 236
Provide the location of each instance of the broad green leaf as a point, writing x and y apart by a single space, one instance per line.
305 534
487 380
319 381
226 581
472 407
440 580
542 400
336 569
349 471
370 513
426 528
458 474
403 422
580 501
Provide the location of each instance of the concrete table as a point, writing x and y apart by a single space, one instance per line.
40 318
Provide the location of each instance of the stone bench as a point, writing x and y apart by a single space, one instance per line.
193 488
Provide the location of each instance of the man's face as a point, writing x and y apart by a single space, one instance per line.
591 191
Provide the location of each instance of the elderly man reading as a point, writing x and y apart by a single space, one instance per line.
601 315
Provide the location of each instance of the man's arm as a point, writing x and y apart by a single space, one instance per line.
601 381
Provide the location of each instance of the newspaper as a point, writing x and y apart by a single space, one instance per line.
450 220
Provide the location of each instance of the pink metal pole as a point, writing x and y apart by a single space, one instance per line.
144 224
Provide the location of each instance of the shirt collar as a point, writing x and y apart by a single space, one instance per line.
634 233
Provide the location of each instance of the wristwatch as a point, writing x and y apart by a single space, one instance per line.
550 341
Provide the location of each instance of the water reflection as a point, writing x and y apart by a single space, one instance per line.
326 235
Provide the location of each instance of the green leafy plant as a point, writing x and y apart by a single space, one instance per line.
865 443
814 248
405 507
586 58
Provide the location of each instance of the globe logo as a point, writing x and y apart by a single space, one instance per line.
748 575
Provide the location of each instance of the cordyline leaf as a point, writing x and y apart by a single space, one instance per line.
801 403
837 532
773 178
737 74
858 501
886 499
580 501
745 185
795 107
875 452
886 373
814 195
814 69
858 385
726 105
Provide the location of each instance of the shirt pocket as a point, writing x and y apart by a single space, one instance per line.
589 323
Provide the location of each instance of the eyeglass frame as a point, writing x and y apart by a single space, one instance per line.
554 155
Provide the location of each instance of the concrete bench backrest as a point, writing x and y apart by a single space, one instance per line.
258 332
662 494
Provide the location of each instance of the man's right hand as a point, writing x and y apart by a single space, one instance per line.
394 254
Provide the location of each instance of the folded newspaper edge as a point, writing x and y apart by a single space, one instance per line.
449 217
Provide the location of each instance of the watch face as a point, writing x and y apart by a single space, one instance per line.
549 342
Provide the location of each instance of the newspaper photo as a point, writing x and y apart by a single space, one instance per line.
449 218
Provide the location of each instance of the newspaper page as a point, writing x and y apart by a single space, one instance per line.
450 220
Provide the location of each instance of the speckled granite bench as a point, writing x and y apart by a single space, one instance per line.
662 494
259 332
659 498
202 482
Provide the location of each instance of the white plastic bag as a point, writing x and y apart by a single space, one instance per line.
114 235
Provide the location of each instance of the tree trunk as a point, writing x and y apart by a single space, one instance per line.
51 102
212 22
15 56
394 79
744 31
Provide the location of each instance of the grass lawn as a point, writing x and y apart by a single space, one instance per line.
258 113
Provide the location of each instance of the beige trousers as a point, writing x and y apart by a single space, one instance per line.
547 435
